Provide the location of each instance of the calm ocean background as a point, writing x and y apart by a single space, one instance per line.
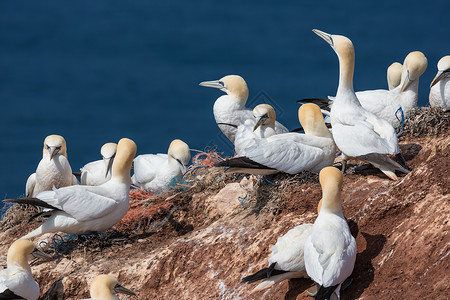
97 71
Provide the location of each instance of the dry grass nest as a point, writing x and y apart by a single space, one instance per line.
425 121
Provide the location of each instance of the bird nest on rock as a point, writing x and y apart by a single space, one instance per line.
425 121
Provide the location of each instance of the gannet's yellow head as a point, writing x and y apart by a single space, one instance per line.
19 252
394 75
264 115
345 51
443 70
54 144
311 119
108 152
414 66
330 179
233 85
121 167
104 287
179 151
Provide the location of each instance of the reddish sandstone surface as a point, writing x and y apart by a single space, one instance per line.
200 242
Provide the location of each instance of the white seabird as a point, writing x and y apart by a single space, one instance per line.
99 171
229 110
156 171
357 132
394 75
330 249
392 105
16 281
286 260
103 287
83 209
53 170
289 152
248 132
440 86
386 104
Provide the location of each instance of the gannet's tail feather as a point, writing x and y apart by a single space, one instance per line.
31 201
386 164
277 278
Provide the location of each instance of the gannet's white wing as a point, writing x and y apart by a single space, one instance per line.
31 183
18 281
91 171
364 135
146 166
279 128
84 203
290 152
382 103
330 251
287 253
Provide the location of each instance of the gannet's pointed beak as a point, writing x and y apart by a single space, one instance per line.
39 254
326 36
53 151
120 289
407 83
260 121
108 165
183 167
439 76
217 84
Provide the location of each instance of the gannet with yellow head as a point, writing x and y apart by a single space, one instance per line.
357 132
440 86
16 281
99 171
103 287
229 110
286 260
393 105
53 170
84 209
154 172
289 152
263 127
330 249
394 75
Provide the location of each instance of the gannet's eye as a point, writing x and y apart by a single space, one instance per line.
221 83
47 146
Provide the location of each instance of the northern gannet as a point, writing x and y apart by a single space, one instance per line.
99 171
394 75
103 287
53 170
357 132
392 105
156 171
330 249
83 209
229 110
262 127
16 281
289 152
440 86
286 260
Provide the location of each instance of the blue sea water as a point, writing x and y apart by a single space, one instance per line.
96 71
